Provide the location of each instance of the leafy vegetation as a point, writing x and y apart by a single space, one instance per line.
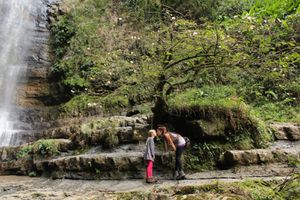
47 147
24 151
111 56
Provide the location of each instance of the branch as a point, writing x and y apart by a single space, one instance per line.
163 5
172 86
217 41
187 58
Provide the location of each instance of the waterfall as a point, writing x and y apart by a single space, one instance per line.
17 29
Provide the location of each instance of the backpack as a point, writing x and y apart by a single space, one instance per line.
187 142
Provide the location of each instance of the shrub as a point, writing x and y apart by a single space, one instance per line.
24 151
47 147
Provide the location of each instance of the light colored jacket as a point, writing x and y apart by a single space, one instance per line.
150 149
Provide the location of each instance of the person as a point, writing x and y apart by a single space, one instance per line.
149 156
177 143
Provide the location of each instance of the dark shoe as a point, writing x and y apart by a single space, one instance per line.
181 175
175 175
151 180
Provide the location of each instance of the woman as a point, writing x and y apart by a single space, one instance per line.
177 143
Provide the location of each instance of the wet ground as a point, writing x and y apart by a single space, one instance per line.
27 188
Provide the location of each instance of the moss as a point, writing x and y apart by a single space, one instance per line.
248 189
101 131
133 196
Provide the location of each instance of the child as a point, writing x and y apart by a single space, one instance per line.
149 156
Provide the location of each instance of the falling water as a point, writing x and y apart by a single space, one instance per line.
17 27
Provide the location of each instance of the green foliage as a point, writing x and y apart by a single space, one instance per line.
278 112
204 156
89 105
275 8
103 59
62 32
231 8
47 147
195 9
246 130
24 151
149 10
113 102
80 105
208 96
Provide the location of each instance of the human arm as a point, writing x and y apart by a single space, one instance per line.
169 142
152 149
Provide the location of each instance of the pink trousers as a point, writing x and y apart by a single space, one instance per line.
149 168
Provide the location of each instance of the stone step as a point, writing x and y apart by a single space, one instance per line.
104 165
286 131
279 152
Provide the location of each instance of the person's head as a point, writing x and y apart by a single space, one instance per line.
161 130
151 133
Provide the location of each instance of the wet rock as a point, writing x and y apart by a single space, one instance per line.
94 131
259 156
114 165
246 157
22 166
286 131
8 153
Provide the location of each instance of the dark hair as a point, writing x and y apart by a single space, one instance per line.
163 129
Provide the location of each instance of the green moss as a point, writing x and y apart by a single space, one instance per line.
102 131
239 190
132 196
248 189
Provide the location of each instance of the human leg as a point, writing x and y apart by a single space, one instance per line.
178 163
149 168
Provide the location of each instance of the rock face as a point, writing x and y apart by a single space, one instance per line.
36 94
34 87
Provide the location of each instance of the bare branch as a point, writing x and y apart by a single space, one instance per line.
174 10
187 58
